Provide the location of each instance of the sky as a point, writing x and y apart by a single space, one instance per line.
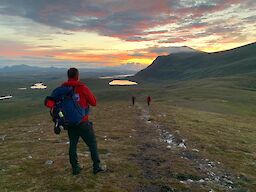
131 33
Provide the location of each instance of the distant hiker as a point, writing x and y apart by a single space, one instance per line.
149 100
69 105
133 100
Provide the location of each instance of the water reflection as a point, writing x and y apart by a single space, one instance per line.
22 88
5 97
38 86
122 82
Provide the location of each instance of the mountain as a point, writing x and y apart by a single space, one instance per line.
89 72
196 64
28 68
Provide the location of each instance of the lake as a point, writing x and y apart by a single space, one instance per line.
122 82
5 97
38 86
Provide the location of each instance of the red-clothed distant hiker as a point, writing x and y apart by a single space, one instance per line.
149 100
133 100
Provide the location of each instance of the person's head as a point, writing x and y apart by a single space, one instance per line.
73 73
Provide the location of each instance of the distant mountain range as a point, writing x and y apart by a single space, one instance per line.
27 68
89 72
129 67
187 63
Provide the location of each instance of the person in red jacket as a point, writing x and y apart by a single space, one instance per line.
85 128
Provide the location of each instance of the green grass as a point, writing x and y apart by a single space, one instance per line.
216 116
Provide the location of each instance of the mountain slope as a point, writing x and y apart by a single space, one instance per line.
196 65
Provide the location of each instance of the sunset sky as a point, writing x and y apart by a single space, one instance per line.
98 33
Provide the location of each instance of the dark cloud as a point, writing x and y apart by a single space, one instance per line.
173 40
138 54
123 19
110 19
159 50
64 33
155 32
136 38
251 19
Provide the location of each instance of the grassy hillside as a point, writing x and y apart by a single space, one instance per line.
215 116
197 65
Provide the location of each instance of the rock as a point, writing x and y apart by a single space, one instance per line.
169 141
201 181
108 154
30 157
182 145
2 137
49 162
195 150
84 155
217 179
228 181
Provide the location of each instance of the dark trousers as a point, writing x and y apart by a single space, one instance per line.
86 132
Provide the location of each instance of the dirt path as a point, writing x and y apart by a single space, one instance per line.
169 164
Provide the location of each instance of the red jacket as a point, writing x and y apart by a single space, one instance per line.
86 96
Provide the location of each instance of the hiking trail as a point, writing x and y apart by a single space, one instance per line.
162 153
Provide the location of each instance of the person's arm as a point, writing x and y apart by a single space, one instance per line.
89 96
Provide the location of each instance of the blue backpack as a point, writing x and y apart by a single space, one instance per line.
67 110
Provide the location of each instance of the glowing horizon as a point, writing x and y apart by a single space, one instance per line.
91 33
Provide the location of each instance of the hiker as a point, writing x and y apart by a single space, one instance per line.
133 100
149 100
83 128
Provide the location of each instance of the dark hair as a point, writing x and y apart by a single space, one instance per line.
73 73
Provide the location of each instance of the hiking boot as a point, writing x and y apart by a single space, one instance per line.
76 170
57 129
99 168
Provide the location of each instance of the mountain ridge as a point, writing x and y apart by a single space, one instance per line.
181 66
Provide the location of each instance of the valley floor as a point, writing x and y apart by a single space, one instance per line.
157 148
